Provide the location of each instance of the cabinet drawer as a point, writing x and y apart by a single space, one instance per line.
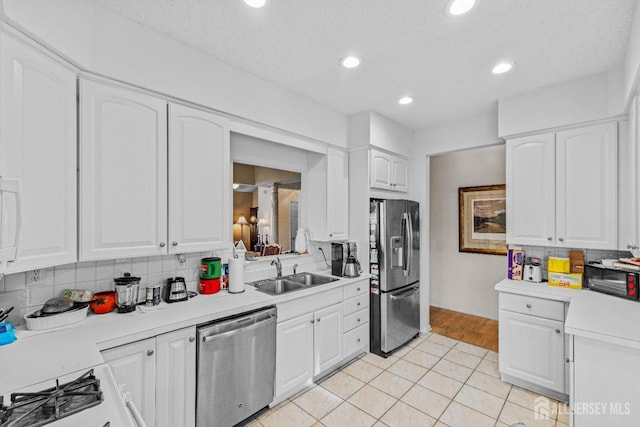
540 307
298 307
356 304
355 289
356 319
356 341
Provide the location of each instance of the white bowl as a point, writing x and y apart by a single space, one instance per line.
608 262
55 320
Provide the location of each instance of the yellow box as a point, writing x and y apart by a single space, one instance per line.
563 280
559 265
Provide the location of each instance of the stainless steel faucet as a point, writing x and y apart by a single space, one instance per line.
278 265
295 269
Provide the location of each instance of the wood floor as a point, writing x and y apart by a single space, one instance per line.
465 327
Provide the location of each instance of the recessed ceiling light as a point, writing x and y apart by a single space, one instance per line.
405 100
502 67
459 7
350 61
256 3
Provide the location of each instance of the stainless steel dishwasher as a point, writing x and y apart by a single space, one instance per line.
236 367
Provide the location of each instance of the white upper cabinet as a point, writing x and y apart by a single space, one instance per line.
198 178
380 173
37 154
562 188
400 174
337 194
530 177
388 172
586 187
123 173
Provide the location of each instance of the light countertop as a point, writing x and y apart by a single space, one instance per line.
591 314
41 355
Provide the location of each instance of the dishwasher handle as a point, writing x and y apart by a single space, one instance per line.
232 332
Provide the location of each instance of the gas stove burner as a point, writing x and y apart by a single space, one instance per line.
46 406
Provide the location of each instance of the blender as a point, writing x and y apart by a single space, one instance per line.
127 293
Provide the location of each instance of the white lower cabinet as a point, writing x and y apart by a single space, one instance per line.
532 344
355 308
327 342
605 390
319 333
307 346
294 357
160 374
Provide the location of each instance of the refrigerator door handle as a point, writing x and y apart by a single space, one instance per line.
407 293
405 244
409 244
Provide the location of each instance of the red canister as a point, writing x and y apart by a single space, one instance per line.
209 286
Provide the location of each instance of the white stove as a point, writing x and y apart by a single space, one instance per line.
89 398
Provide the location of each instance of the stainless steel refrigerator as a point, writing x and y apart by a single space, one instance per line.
394 260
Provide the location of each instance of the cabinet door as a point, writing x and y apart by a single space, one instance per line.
586 187
123 173
294 357
327 338
532 349
176 378
199 188
400 174
605 374
337 194
134 366
530 178
380 170
38 148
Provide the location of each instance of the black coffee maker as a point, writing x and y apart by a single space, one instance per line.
344 259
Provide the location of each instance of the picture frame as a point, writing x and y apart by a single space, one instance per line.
482 219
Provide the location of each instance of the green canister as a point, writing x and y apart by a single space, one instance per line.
210 268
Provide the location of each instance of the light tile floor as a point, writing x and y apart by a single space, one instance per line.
433 381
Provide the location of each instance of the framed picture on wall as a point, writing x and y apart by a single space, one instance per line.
483 219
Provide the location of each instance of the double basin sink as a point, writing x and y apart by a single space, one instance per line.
291 283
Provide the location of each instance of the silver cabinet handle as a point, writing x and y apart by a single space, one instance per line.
557 331
528 305
561 239
162 244
192 339
318 319
549 238
566 360
358 339
313 321
358 320
150 352
174 244
358 304
358 290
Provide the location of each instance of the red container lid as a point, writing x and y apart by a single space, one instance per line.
209 286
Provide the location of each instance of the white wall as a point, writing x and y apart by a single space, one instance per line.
632 59
593 97
472 132
462 281
104 43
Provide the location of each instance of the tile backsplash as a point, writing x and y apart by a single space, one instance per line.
29 290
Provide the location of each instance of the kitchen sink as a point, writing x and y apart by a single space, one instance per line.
291 283
310 279
277 286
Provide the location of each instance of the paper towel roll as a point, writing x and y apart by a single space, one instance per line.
236 275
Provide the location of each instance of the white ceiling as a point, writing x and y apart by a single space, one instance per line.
407 46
